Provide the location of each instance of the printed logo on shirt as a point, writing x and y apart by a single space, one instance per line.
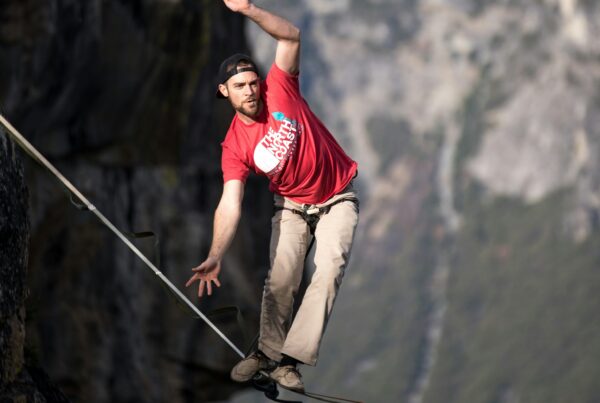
277 145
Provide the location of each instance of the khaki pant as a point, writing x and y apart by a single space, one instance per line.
290 239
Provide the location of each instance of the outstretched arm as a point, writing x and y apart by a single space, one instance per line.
287 56
227 217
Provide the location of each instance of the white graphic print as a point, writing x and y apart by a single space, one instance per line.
277 146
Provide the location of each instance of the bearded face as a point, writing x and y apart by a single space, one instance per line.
243 92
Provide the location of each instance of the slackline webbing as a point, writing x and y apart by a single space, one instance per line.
38 157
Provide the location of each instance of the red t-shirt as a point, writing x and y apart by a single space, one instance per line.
288 144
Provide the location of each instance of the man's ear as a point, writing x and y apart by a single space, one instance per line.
224 90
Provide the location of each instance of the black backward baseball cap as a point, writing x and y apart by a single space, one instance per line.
229 68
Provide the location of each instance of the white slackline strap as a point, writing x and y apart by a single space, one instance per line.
35 154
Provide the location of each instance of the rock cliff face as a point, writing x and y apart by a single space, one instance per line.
14 232
120 97
475 125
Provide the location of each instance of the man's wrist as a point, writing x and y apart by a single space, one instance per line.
215 256
248 10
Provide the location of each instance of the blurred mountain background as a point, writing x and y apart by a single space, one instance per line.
476 124
476 274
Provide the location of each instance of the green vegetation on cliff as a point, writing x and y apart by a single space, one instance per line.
522 310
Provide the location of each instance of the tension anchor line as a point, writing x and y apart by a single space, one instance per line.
39 157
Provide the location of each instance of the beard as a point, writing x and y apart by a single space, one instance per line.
250 107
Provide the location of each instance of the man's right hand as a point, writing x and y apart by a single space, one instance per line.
237 5
207 273
287 56
227 217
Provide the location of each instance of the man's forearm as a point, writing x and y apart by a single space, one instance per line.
276 26
225 226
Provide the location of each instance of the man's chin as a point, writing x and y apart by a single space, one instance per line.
251 112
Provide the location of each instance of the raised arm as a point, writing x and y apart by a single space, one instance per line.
227 217
287 56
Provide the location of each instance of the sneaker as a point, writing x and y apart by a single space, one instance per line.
288 377
249 366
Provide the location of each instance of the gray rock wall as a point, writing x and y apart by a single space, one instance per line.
14 236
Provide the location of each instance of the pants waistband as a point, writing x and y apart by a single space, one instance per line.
347 192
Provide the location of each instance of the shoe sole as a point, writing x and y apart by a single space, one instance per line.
301 391
297 390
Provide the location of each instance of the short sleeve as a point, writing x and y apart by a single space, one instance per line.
279 79
233 167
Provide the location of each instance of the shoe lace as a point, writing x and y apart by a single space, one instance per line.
263 361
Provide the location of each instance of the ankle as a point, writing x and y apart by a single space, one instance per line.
288 361
260 353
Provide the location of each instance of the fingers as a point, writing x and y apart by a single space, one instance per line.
206 278
200 285
191 280
201 288
209 284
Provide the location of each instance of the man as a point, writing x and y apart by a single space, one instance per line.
275 134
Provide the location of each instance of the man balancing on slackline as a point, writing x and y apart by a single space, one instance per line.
275 133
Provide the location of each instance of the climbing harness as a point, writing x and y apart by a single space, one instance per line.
311 215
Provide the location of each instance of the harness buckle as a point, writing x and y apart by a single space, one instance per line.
310 210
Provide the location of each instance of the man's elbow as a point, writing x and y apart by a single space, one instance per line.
295 34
